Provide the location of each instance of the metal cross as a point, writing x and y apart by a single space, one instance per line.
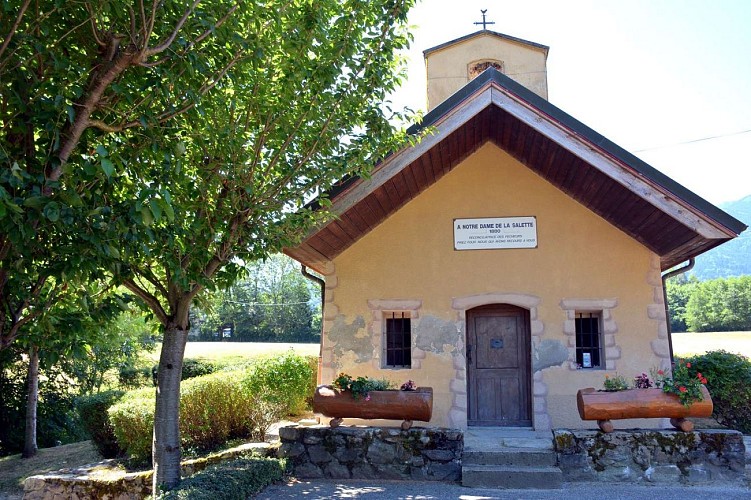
484 22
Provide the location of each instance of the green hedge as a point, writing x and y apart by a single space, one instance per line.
93 412
218 407
229 480
132 419
729 382
289 379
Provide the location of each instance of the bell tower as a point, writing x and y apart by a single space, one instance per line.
451 65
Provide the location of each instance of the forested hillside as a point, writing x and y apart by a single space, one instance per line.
732 258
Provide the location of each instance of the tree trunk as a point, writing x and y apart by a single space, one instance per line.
166 442
32 397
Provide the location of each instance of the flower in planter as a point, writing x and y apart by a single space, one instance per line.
686 386
360 387
409 385
615 383
642 381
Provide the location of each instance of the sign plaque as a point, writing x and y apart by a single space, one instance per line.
489 233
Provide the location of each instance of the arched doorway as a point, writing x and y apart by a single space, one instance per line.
498 366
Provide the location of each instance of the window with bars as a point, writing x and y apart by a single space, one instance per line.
397 344
588 340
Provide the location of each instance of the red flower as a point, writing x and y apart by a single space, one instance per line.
660 372
682 389
698 375
704 380
688 365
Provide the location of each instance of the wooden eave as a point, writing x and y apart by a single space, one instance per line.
665 217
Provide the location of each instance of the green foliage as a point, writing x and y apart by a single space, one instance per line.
716 305
196 368
95 419
131 377
116 344
360 386
132 419
240 478
679 290
271 304
57 421
615 383
213 410
287 377
729 383
221 406
683 382
720 305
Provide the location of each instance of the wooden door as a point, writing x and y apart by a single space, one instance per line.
498 366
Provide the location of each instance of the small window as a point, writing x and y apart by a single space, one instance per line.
588 340
397 343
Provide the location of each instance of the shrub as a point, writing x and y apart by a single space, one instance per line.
93 412
729 382
236 479
132 419
212 410
288 380
193 368
133 377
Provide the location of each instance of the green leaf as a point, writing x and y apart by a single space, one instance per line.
155 209
146 216
52 211
102 151
108 167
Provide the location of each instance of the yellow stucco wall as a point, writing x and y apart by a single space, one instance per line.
447 67
409 261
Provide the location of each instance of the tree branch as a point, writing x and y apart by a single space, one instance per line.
151 301
13 28
171 38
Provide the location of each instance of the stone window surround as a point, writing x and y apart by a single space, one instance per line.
611 351
541 421
379 308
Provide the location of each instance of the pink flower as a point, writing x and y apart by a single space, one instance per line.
660 372
367 398
682 389
688 365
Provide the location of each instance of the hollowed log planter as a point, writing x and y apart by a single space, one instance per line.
392 405
640 403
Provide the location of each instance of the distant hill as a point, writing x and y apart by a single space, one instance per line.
732 258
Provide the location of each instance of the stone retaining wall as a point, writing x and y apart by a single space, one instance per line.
373 452
660 456
105 481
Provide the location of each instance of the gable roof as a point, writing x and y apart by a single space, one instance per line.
664 216
545 49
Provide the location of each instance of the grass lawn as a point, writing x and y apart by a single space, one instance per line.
229 352
14 469
688 343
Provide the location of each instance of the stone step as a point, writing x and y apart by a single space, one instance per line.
511 477
510 456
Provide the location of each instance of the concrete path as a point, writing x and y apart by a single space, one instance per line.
430 490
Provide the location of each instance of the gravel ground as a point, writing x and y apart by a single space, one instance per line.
428 490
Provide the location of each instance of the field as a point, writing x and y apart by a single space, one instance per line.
229 352
697 343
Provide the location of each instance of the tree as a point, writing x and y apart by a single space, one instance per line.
679 290
71 326
192 137
721 304
242 167
272 303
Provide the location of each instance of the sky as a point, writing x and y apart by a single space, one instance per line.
653 76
